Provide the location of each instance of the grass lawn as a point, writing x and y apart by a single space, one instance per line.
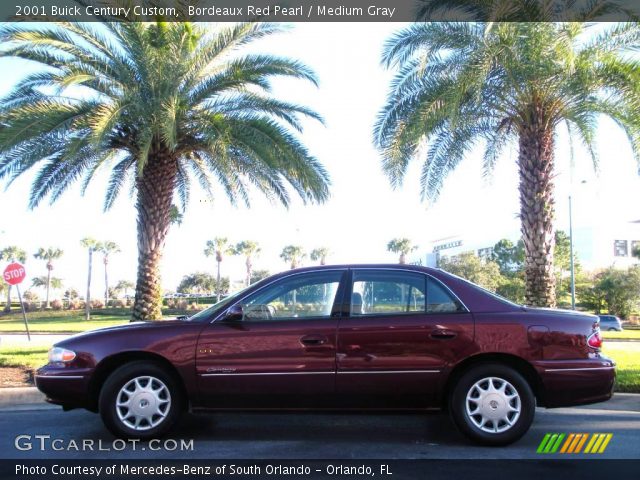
62 321
625 334
66 321
627 359
29 357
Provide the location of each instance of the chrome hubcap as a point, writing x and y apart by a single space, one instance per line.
143 403
493 405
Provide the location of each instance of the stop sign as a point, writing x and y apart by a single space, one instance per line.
14 274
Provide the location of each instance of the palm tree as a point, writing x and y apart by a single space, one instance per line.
249 250
320 254
165 103
107 249
523 11
401 246
293 255
217 247
12 254
47 281
459 83
92 246
48 255
123 286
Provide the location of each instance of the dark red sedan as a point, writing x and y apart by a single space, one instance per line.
340 337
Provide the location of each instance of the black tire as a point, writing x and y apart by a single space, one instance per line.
468 424
126 374
613 329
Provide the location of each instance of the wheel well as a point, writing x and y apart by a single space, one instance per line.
523 367
108 365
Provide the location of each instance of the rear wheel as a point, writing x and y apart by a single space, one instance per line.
492 404
140 400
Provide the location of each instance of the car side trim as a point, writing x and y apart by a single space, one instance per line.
584 369
360 372
222 374
58 377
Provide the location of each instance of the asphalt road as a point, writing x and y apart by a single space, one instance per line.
314 435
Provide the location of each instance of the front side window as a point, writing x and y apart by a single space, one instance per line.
309 295
387 292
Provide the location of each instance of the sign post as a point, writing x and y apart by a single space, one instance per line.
14 274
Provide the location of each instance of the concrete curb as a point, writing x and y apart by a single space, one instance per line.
12 396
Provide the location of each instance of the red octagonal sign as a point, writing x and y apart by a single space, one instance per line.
14 274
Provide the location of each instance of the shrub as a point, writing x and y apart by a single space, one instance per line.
97 304
118 303
76 304
57 305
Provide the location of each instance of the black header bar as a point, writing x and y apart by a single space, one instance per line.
318 10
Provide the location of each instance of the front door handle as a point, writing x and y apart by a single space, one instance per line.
313 340
443 334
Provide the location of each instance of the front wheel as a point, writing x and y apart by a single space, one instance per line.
492 404
140 400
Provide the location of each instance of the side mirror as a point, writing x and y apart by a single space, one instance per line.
233 313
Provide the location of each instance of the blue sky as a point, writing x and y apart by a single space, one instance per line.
363 212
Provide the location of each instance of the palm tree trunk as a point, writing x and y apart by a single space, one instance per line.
403 258
535 164
7 307
249 267
106 284
87 298
49 268
155 193
218 282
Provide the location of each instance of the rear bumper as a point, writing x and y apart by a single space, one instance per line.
64 386
576 382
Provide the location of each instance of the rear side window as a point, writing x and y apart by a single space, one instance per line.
440 300
385 292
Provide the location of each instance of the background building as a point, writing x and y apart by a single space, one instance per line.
596 246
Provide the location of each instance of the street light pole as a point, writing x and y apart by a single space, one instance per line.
573 276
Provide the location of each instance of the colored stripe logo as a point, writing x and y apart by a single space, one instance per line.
574 443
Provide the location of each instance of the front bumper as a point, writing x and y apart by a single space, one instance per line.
576 382
64 386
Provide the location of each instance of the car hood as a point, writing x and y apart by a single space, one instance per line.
137 326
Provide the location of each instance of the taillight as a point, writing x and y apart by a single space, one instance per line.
595 340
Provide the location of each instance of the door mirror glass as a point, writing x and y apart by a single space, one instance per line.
233 314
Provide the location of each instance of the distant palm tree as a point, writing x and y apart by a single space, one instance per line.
402 246
48 255
107 249
462 83
248 250
92 246
175 216
46 281
164 103
293 255
12 254
320 254
123 286
217 247
522 11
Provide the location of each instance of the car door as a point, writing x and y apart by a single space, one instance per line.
280 351
403 329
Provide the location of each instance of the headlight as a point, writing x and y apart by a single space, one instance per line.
57 354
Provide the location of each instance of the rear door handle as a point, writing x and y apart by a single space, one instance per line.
443 334
313 340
